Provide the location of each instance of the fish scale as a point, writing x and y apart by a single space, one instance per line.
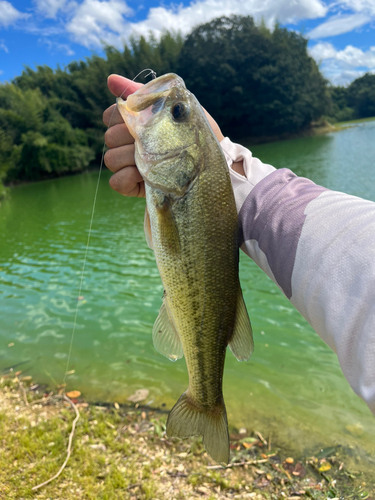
194 233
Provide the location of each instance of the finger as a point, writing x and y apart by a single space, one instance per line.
215 127
118 135
121 86
117 158
128 181
111 116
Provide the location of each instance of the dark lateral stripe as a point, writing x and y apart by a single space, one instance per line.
273 215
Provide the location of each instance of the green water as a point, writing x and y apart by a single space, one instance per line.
292 387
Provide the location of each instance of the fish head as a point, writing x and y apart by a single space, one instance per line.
164 119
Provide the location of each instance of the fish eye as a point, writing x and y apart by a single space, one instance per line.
180 111
157 105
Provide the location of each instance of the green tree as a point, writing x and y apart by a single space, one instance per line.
361 96
35 140
254 81
339 108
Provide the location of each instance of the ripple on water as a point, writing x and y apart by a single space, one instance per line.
292 385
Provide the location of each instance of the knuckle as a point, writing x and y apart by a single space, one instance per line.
108 159
114 183
108 138
105 116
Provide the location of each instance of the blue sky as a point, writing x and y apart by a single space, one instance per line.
54 32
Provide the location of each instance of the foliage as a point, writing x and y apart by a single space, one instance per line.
355 101
361 96
255 82
36 141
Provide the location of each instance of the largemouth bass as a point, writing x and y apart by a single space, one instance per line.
193 226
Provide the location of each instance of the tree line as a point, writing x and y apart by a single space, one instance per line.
254 81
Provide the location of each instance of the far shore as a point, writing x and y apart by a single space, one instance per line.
319 128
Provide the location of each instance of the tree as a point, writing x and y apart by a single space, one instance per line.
361 96
35 140
254 81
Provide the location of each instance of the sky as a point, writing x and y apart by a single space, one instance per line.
341 33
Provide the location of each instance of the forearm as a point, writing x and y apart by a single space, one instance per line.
318 246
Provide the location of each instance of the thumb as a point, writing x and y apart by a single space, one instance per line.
121 86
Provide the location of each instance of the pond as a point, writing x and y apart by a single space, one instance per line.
291 388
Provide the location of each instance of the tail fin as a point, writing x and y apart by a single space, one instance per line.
185 420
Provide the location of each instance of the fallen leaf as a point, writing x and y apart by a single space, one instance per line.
248 445
73 394
324 467
116 405
139 395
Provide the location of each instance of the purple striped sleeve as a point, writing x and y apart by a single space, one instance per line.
273 215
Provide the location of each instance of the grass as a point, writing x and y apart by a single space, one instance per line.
124 453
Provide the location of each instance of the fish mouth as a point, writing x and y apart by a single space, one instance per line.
155 90
142 107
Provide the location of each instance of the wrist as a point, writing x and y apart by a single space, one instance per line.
237 166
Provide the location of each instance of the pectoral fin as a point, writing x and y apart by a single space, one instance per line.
147 229
165 337
241 344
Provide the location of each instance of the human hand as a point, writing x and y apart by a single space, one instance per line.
119 158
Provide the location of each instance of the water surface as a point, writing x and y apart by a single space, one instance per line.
292 387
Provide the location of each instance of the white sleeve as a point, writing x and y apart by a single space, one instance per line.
319 248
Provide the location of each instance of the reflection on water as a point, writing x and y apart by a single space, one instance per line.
292 387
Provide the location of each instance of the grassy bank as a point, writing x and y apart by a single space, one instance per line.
123 453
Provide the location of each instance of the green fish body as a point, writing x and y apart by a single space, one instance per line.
194 232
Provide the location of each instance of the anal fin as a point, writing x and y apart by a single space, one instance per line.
242 344
165 337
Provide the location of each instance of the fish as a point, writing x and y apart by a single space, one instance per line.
191 224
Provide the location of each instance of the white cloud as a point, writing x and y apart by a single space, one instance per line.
359 5
338 25
8 14
3 46
185 18
55 46
50 7
343 66
96 21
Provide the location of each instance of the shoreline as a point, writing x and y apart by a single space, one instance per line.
123 452
319 128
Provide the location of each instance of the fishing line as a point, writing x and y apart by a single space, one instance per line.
151 72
